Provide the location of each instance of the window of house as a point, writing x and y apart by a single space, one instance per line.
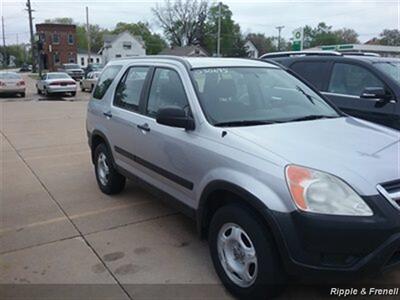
91 60
56 38
97 60
129 89
127 45
56 58
349 79
105 81
42 37
71 58
82 61
70 39
166 91
117 55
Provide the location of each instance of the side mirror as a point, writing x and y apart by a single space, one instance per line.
175 117
375 93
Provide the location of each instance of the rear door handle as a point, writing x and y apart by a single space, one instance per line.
144 127
108 115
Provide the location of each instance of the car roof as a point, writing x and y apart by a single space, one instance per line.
200 62
345 57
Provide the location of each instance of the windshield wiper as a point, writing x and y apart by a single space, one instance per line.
244 123
312 117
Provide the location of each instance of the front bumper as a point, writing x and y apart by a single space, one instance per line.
61 89
321 246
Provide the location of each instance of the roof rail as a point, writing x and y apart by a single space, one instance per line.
300 53
361 53
180 59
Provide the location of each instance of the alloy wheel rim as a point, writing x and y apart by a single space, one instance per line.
237 255
103 170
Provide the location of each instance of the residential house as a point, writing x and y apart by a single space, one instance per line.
121 45
194 50
58 44
83 58
251 49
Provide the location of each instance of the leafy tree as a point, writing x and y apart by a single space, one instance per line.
96 37
182 20
324 35
154 42
263 44
232 41
390 37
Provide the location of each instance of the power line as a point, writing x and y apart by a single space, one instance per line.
4 43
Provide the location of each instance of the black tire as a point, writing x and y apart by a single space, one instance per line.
22 95
73 94
39 91
271 276
115 181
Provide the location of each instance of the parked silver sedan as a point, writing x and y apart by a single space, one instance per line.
56 83
88 83
12 83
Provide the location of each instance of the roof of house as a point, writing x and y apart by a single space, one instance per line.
185 51
110 38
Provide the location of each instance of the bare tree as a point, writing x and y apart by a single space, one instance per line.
182 20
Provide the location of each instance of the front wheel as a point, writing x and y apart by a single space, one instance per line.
244 254
109 180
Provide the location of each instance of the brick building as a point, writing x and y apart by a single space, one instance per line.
59 45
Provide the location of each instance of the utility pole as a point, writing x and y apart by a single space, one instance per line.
279 36
88 33
219 30
29 9
4 43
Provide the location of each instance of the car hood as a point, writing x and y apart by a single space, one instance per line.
359 152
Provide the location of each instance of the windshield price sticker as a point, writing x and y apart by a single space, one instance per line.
351 292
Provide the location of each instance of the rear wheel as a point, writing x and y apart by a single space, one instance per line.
23 95
244 254
73 94
109 180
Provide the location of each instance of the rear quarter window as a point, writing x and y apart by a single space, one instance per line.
313 72
105 80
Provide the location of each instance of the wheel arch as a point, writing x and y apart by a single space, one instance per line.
214 197
96 138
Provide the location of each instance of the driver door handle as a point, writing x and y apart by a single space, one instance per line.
144 127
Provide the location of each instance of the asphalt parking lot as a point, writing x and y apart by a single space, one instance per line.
58 230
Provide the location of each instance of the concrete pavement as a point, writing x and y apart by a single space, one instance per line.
59 232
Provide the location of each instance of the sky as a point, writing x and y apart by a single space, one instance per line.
367 17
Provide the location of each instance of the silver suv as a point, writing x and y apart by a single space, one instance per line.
279 181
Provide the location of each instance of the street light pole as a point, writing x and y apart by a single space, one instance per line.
279 36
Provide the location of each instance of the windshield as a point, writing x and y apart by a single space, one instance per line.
252 96
391 68
72 66
57 76
9 76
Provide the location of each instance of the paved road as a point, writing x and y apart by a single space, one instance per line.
58 230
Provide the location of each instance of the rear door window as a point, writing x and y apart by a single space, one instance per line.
105 80
349 79
315 73
129 89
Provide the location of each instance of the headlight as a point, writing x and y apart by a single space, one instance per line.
318 192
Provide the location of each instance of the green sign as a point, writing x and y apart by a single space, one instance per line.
296 46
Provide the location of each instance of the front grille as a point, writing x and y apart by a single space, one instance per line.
391 191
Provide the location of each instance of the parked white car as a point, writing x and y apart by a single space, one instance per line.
56 83
12 83
88 83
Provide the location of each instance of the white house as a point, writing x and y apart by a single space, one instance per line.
251 49
83 58
121 45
